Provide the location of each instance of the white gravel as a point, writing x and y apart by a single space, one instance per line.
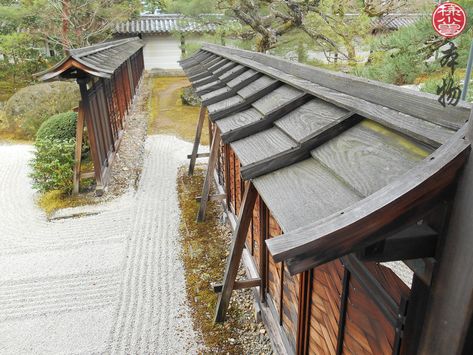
110 282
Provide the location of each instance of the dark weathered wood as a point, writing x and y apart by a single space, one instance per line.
232 73
78 150
299 151
423 130
91 132
209 175
414 242
246 123
343 310
415 317
239 285
198 134
236 250
450 301
416 104
343 232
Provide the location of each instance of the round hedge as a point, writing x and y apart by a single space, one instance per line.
61 127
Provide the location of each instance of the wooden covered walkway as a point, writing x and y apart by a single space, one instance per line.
108 75
330 176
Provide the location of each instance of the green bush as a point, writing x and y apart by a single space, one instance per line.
53 165
61 126
28 108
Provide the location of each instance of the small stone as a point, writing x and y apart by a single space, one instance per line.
262 331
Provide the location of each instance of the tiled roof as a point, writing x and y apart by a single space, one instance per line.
395 21
165 23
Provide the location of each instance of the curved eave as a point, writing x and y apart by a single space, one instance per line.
69 63
353 228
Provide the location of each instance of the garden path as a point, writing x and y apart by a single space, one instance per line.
110 281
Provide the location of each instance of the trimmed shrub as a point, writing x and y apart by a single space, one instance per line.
53 165
27 109
61 126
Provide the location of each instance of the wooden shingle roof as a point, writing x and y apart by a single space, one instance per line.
337 159
100 60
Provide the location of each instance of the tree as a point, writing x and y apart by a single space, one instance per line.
79 23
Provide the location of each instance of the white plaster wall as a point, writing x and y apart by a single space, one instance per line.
161 51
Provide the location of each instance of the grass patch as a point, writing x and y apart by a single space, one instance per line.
55 200
168 115
204 252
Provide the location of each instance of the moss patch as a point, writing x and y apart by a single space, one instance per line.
204 253
168 115
52 201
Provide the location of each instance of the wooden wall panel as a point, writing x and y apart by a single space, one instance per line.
367 331
274 270
290 306
256 226
232 179
325 308
238 185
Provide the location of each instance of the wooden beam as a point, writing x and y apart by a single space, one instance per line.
343 309
450 308
411 125
236 250
414 242
78 150
416 104
199 155
198 134
348 230
239 285
218 197
208 177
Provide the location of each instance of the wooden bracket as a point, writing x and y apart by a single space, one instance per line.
236 250
413 242
218 197
198 134
239 285
209 174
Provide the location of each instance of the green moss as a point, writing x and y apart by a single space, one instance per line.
168 115
204 253
52 201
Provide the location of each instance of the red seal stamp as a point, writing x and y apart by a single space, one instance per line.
449 19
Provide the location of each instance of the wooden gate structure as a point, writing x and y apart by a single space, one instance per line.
108 75
351 202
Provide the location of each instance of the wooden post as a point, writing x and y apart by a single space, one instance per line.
198 134
78 151
450 307
209 175
236 250
91 133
